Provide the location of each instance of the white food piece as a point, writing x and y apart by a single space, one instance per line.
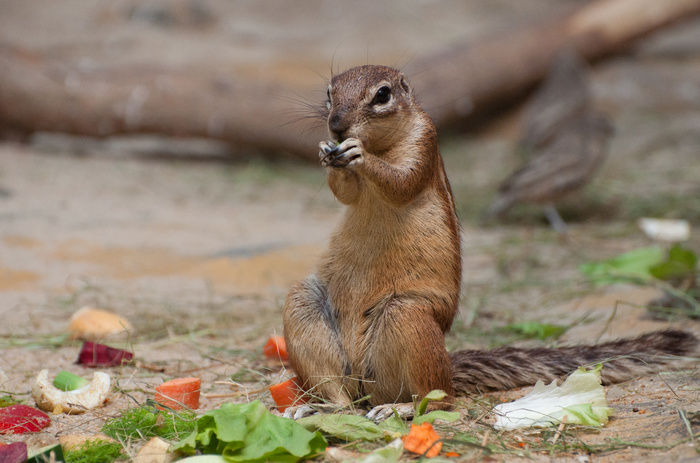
547 405
204 459
49 398
671 231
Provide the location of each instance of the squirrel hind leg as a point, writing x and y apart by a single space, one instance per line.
313 342
405 353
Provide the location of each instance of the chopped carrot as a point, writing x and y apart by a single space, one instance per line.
287 394
276 348
451 454
422 439
179 393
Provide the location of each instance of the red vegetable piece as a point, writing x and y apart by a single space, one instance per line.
179 393
287 394
93 354
19 419
276 348
13 453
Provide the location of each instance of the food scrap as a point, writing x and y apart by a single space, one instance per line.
99 355
20 419
92 324
423 439
50 398
179 393
276 348
13 453
288 394
581 399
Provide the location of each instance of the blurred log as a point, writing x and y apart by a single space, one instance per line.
467 80
38 94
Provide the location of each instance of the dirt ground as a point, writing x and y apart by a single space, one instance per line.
197 246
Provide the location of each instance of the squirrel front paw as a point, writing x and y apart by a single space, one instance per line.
348 153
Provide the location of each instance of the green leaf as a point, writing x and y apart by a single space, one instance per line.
250 433
585 414
537 330
436 415
345 427
394 425
6 401
632 265
681 263
387 454
436 394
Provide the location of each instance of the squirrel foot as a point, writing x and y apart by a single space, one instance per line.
382 412
302 411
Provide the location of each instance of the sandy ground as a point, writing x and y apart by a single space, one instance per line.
198 254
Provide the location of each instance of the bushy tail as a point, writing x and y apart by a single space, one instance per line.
510 367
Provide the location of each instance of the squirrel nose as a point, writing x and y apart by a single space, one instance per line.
338 124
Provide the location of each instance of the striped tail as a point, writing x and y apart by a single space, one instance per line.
624 359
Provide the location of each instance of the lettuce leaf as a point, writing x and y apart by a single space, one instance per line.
631 266
390 453
344 427
581 399
250 433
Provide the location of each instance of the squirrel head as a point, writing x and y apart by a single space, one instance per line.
371 103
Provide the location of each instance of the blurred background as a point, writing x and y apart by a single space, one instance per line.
155 141
158 159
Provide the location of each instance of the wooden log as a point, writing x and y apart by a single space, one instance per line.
39 94
467 80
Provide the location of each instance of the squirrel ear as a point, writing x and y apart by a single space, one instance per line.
405 86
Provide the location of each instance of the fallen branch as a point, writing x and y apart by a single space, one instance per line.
468 80
40 94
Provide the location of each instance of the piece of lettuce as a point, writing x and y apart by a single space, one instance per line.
423 417
581 399
343 427
250 433
390 453
632 266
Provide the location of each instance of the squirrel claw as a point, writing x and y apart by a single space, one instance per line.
298 412
302 411
349 152
382 412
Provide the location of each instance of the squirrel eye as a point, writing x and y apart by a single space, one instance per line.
382 96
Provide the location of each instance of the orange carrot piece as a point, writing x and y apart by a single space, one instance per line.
276 348
287 394
451 454
421 438
179 393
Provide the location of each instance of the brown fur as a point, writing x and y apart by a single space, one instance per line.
372 319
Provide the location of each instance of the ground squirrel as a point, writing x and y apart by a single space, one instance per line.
371 321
